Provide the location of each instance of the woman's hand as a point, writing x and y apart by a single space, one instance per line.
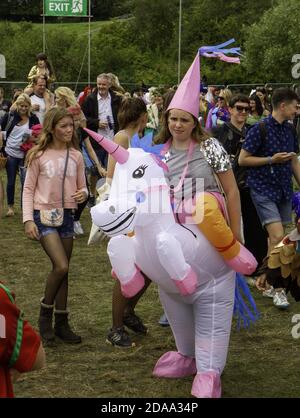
261 282
31 231
80 196
101 170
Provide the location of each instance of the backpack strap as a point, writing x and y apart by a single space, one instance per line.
19 334
262 130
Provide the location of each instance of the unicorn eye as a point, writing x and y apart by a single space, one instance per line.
139 172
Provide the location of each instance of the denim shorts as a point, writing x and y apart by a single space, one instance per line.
270 212
66 230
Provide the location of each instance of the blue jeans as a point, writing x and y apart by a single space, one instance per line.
12 166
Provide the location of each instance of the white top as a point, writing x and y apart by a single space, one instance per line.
41 102
15 139
104 111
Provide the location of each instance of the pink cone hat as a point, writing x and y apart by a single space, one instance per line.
119 153
187 95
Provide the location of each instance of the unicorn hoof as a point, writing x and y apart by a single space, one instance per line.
133 286
188 284
243 263
174 365
207 385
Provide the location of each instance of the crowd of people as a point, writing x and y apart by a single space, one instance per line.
247 146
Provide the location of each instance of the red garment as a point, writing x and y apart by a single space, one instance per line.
87 90
30 343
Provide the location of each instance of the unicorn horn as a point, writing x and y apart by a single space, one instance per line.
119 153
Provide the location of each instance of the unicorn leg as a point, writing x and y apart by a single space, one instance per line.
170 254
121 254
181 363
218 233
213 315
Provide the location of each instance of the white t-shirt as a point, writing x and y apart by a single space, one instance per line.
41 102
15 139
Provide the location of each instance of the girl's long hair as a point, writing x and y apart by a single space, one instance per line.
131 109
258 105
22 98
52 117
42 56
198 134
66 94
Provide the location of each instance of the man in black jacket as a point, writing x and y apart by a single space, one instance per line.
232 135
101 109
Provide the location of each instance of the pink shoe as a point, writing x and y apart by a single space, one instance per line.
207 385
135 284
243 263
174 365
188 285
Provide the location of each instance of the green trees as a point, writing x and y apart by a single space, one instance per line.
145 46
272 42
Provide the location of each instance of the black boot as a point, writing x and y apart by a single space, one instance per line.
45 323
63 330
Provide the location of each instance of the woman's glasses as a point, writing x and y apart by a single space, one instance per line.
242 109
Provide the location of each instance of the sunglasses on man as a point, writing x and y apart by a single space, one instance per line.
242 109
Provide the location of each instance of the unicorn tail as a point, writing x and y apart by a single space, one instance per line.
244 314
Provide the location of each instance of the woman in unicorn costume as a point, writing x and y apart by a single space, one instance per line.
196 282
209 309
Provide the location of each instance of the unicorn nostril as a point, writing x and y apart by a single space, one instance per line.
140 197
112 209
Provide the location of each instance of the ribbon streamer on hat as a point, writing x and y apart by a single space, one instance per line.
220 52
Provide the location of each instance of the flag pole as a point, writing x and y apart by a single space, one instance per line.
179 39
44 32
89 46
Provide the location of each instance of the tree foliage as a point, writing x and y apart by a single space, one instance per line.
272 42
145 46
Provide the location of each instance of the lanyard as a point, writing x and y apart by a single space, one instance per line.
166 148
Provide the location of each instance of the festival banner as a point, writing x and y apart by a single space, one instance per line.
73 8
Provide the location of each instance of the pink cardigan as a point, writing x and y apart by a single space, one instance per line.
43 183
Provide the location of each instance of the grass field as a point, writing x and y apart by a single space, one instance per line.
262 362
69 25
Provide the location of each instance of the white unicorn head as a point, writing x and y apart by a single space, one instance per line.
139 191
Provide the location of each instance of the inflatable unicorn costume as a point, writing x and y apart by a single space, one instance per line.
196 283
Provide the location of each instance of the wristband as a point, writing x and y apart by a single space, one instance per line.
269 160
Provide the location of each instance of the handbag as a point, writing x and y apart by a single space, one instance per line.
55 217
